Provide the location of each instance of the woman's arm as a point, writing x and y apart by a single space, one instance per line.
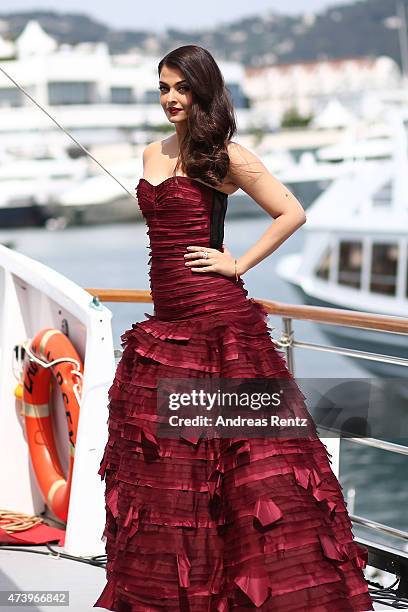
249 173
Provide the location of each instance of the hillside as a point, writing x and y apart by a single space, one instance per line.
364 27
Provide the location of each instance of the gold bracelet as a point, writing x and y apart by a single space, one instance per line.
236 271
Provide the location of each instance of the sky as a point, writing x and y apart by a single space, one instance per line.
157 15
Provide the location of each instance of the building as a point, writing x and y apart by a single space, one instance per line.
309 86
86 73
89 88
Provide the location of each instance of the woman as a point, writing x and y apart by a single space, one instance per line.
213 522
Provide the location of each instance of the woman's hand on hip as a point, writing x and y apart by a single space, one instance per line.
216 261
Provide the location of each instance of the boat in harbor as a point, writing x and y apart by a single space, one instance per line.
31 182
355 253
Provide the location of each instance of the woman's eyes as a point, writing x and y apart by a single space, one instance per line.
182 87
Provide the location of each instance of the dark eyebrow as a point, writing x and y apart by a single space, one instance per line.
178 82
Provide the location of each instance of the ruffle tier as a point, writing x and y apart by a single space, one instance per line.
211 525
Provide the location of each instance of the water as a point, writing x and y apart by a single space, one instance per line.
116 256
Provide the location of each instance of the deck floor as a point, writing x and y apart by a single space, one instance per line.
22 570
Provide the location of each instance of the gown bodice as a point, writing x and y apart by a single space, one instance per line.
210 204
180 212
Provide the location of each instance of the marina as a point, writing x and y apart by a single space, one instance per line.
74 274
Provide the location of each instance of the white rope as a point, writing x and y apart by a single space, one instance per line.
47 364
66 132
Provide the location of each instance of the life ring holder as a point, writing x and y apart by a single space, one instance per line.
51 351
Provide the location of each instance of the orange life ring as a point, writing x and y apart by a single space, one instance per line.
49 345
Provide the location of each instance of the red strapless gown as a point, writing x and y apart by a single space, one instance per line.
214 524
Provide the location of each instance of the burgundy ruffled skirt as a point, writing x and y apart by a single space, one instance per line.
219 524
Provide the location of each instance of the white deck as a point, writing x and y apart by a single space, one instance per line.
30 571
27 571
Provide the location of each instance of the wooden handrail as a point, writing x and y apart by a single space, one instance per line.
121 295
319 314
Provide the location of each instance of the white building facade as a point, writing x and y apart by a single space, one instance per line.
309 86
88 87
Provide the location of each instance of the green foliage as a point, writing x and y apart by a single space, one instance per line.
292 118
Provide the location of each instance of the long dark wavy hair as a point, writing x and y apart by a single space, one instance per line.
211 119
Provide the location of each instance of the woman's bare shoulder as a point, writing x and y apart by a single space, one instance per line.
151 148
158 147
240 154
239 157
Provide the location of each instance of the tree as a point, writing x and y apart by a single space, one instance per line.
292 118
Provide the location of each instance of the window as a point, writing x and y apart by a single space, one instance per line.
350 263
122 95
71 93
10 96
150 96
384 266
323 267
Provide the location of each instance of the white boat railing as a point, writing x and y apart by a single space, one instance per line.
34 297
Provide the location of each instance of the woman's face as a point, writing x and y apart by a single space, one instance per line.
174 93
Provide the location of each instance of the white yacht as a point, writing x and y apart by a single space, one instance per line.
355 254
31 182
367 142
